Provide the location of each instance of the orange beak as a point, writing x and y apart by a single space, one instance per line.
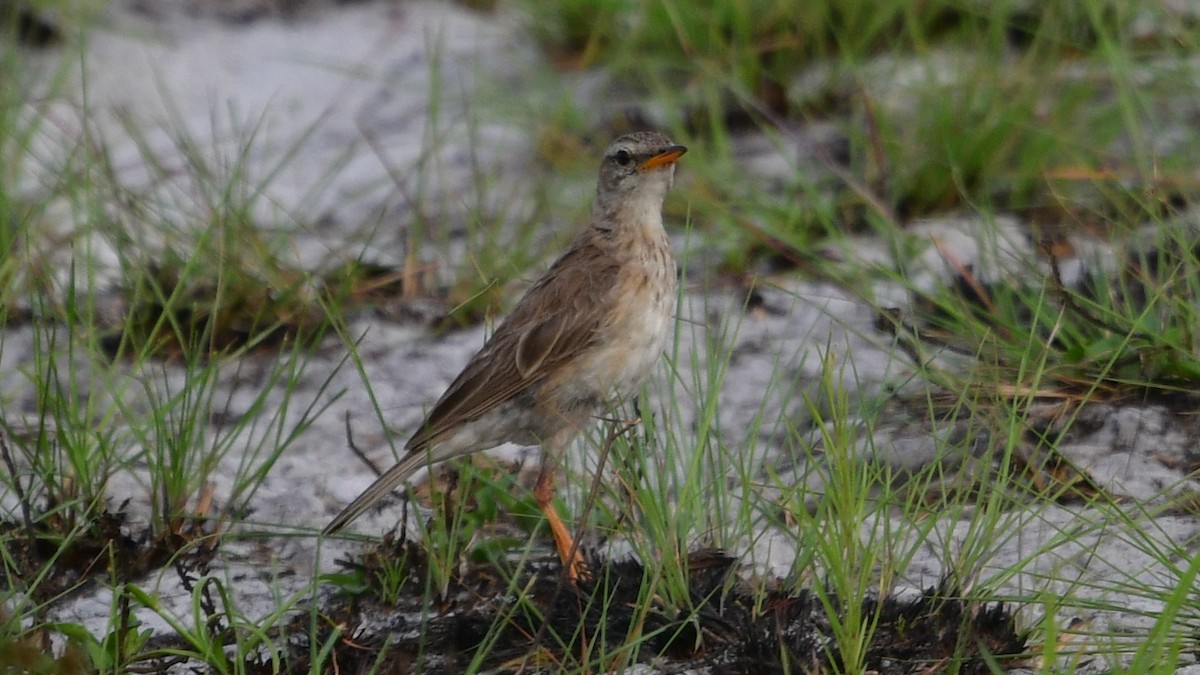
663 158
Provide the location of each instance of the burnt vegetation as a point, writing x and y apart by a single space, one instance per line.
523 617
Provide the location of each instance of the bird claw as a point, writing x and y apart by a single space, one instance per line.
577 570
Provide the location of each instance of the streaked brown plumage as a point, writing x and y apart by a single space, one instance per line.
586 334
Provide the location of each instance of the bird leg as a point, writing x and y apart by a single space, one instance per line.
543 492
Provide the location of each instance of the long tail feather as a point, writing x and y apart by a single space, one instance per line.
378 490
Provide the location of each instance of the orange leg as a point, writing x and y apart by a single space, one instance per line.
543 492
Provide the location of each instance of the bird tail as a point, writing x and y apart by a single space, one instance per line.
379 489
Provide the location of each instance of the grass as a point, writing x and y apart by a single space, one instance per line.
1061 115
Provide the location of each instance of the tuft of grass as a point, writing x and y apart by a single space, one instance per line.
1123 330
93 437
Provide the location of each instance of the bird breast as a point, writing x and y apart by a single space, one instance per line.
643 301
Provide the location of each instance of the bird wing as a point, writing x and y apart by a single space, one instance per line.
554 322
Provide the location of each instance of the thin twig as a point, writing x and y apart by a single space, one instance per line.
362 456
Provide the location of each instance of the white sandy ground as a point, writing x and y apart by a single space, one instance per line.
331 79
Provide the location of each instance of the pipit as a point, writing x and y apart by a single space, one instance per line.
586 335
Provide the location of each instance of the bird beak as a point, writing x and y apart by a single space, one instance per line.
668 156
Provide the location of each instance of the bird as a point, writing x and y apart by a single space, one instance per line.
586 335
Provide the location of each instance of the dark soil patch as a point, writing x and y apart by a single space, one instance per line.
98 546
548 625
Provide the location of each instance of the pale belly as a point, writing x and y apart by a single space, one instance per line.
631 360
640 326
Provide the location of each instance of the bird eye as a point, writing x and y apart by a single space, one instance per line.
623 157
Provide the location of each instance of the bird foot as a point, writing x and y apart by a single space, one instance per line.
577 570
